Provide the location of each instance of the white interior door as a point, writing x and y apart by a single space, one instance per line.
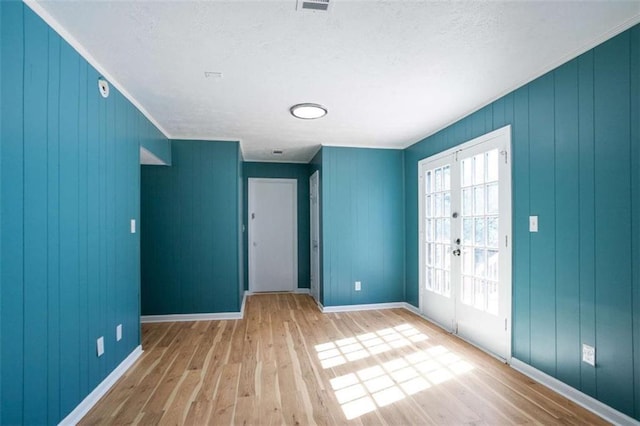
273 235
315 234
465 255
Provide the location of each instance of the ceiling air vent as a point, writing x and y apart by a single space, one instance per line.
322 5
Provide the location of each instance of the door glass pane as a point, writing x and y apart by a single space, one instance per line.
466 172
467 202
479 234
438 180
467 231
492 264
429 279
478 169
446 178
467 262
479 263
492 198
437 205
447 205
446 230
492 232
493 159
478 200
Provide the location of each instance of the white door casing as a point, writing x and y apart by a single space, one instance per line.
465 240
314 209
273 235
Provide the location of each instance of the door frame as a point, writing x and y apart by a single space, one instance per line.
503 132
250 190
314 226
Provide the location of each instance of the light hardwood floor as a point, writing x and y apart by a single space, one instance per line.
287 363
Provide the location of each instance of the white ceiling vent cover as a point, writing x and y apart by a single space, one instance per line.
321 5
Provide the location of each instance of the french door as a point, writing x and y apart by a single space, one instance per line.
465 252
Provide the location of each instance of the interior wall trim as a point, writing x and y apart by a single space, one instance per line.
610 414
92 399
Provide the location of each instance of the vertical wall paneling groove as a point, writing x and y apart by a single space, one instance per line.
300 172
542 243
69 184
575 165
35 220
612 223
586 217
53 229
521 314
567 242
634 94
1 136
190 227
12 219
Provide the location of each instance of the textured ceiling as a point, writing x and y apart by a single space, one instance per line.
389 72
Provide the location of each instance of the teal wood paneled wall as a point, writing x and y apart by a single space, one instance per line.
69 187
576 162
363 225
190 224
300 172
161 148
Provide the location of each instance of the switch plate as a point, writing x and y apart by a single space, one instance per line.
118 332
133 226
533 223
358 286
589 354
100 346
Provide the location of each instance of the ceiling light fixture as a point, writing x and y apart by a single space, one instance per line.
308 111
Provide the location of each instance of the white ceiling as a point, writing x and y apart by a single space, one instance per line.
389 72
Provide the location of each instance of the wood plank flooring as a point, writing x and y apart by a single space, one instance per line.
287 363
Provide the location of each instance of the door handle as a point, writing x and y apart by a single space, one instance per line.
456 252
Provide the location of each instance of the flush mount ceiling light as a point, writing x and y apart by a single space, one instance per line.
308 111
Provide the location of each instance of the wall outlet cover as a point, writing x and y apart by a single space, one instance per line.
589 354
533 223
358 286
100 346
119 332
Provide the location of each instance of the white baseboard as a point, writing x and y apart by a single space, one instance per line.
87 404
365 307
191 317
217 316
302 291
610 414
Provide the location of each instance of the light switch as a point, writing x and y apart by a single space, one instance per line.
533 223
100 346
133 226
119 332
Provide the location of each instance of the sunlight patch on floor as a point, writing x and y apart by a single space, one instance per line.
341 351
367 389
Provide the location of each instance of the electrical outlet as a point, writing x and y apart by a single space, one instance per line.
589 354
119 332
133 226
100 346
358 286
533 223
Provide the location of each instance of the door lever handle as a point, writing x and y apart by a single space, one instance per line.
456 252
